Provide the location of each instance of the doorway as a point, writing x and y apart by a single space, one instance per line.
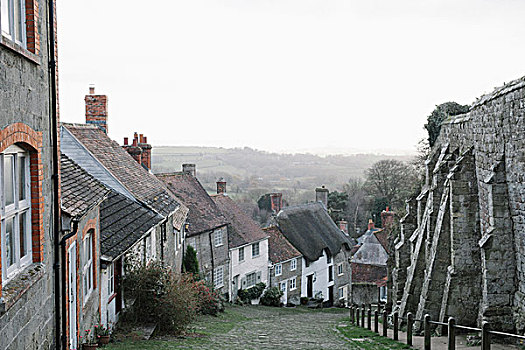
310 286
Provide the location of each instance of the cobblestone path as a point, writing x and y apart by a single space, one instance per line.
271 328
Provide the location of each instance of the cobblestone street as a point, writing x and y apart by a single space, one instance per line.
270 328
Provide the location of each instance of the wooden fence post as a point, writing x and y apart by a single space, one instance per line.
485 336
410 326
363 316
376 321
369 320
385 323
352 314
357 314
428 342
396 326
451 333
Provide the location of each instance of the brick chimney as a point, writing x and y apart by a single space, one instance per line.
370 224
97 109
189 169
139 149
221 186
276 201
321 195
387 218
343 226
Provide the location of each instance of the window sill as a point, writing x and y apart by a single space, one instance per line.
19 50
15 288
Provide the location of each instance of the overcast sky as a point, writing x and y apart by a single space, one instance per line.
284 74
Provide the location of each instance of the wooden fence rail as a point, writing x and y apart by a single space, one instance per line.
357 318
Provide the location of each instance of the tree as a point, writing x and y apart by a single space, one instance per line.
438 115
190 263
390 182
337 205
357 205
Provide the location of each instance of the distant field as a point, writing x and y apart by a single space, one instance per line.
250 173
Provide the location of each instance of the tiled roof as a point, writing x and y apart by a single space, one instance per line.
242 229
279 247
204 215
123 222
382 237
143 185
79 190
311 230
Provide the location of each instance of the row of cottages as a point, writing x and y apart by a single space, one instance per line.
232 250
116 213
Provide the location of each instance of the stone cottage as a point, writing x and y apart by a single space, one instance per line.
369 268
81 198
247 244
89 146
207 230
325 250
285 270
30 303
460 252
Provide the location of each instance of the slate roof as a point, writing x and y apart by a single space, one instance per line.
204 215
143 185
123 222
371 251
279 247
311 230
242 229
79 190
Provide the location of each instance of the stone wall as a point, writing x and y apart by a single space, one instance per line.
27 301
467 251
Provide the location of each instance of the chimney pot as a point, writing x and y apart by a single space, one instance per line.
276 201
97 110
370 224
92 90
141 138
145 139
135 142
126 141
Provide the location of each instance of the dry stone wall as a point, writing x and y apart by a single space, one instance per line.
463 238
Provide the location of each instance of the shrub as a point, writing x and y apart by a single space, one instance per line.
272 297
190 263
161 297
304 300
209 299
246 295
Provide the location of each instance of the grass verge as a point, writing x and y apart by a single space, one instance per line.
361 338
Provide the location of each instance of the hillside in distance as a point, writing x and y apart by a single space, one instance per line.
250 173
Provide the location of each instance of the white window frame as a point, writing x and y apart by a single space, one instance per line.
278 270
293 283
256 252
217 238
342 293
111 279
87 267
218 277
241 254
20 208
293 264
340 270
248 277
282 286
7 15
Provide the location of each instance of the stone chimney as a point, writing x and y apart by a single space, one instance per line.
276 201
189 169
343 226
221 186
97 109
139 149
321 195
387 218
370 224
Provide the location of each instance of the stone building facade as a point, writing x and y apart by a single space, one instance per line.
27 295
461 250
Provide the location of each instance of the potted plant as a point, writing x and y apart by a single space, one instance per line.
102 334
88 341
